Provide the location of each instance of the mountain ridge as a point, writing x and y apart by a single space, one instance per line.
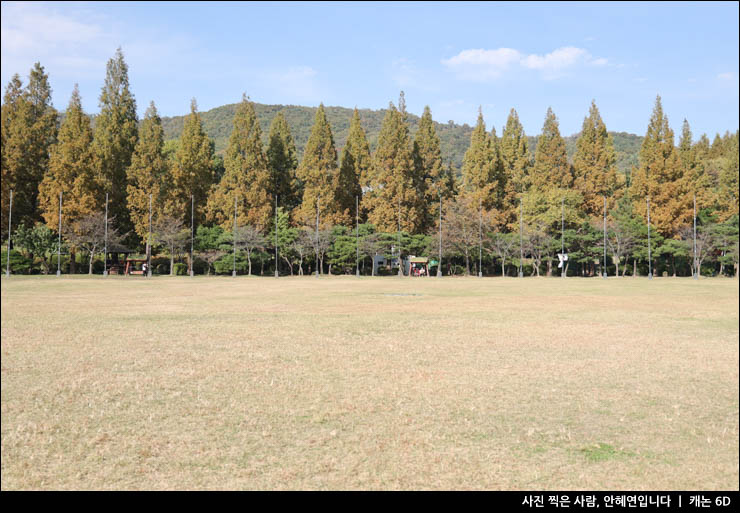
454 138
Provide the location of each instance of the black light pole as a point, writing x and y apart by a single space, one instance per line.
59 241
605 237
10 218
233 272
650 261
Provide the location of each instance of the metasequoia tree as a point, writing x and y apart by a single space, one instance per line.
116 133
246 177
148 174
551 167
191 170
282 162
318 173
659 178
72 172
355 163
393 199
515 160
594 165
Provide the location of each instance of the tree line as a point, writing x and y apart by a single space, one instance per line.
510 207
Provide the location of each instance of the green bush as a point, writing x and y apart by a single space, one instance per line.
19 264
181 269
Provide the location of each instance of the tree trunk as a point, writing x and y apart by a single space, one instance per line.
503 272
290 265
249 263
92 255
329 269
467 263
72 263
172 262
616 263
673 263
634 267
549 268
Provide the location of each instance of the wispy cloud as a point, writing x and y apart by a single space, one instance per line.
298 83
481 65
727 76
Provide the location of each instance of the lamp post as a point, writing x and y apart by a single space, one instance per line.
59 241
10 218
650 260
605 275
105 246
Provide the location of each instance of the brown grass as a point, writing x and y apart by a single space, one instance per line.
385 383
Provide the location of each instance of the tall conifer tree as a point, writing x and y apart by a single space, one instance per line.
551 167
594 165
427 154
29 130
71 171
479 166
393 193
659 177
116 133
282 159
354 167
148 173
246 178
318 173
191 171
516 161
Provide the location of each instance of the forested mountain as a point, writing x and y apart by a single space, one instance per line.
454 138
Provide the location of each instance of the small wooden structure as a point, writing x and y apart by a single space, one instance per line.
418 266
117 261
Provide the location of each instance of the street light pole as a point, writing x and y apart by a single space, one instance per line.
562 238
605 275
521 239
59 241
650 261
696 271
105 246
10 218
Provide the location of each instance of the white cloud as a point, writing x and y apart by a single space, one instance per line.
728 76
297 83
482 65
486 65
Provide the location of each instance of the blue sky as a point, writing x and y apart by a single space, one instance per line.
450 56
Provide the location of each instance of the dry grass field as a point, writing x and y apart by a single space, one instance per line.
384 383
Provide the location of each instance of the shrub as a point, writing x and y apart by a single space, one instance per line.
181 269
